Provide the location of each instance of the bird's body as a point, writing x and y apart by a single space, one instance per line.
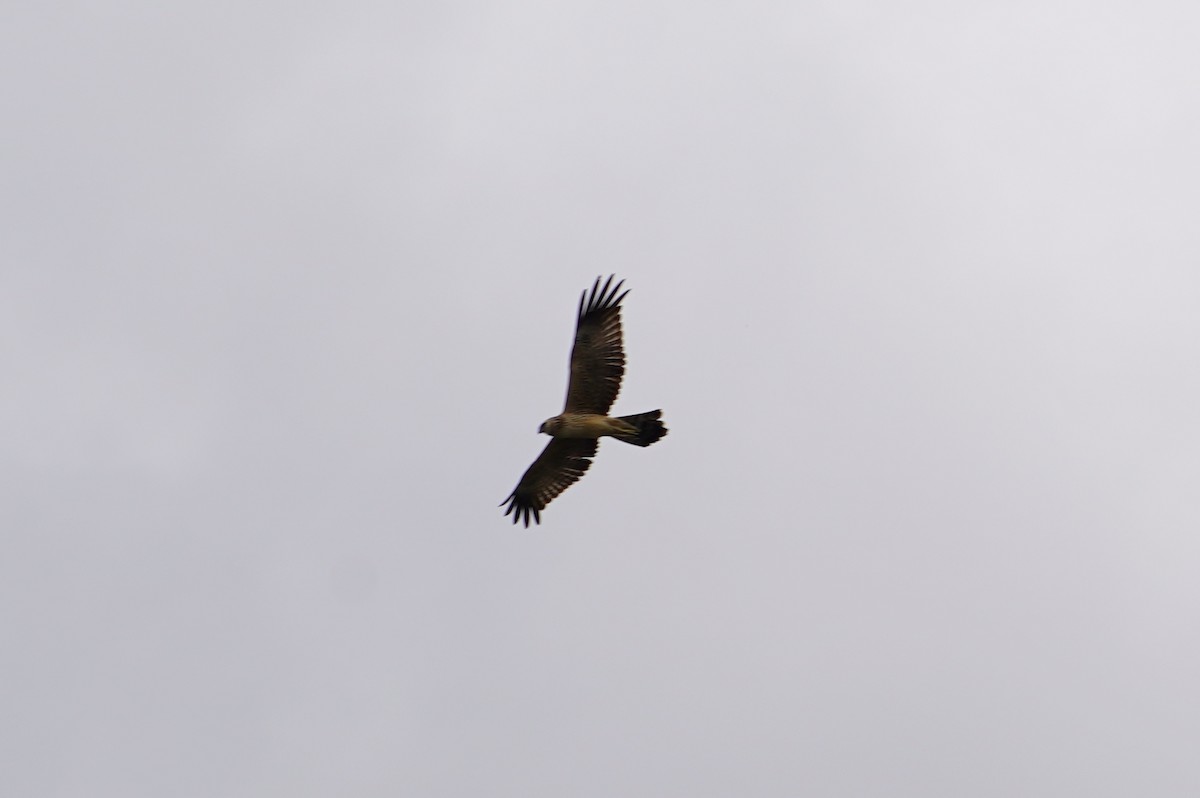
580 425
639 430
597 365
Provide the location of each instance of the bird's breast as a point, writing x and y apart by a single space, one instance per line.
584 425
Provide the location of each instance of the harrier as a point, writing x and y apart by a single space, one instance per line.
597 364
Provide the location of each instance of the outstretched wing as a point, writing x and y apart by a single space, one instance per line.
560 464
598 357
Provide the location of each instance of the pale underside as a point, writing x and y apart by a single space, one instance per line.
585 425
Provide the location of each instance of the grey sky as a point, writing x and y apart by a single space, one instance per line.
286 291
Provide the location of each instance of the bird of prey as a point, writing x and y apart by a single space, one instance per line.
597 364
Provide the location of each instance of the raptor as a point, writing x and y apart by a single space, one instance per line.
597 365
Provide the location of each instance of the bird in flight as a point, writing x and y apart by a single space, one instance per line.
597 364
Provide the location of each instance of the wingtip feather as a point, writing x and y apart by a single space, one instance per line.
601 297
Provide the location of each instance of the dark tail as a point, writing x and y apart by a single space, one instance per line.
647 428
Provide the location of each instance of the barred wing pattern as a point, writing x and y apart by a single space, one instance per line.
560 464
598 357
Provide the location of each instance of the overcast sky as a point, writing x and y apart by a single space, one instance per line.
286 290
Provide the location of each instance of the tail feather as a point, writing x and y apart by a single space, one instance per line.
647 428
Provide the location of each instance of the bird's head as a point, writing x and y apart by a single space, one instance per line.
550 425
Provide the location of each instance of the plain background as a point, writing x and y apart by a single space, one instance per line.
286 290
